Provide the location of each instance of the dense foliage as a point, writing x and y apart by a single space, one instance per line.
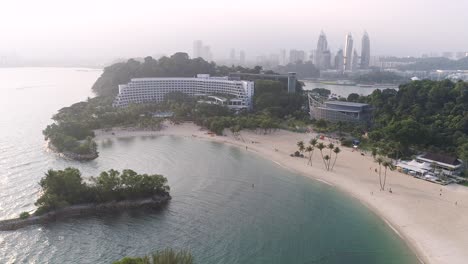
272 97
61 188
74 125
424 115
322 92
167 256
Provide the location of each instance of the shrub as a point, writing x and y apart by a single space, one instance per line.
24 215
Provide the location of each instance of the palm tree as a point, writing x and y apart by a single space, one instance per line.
313 142
309 149
321 146
330 147
327 161
389 165
336 151
380 160
300 144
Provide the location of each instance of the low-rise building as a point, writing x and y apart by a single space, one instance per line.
339 111
447 165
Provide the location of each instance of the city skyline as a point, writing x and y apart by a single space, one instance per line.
52 29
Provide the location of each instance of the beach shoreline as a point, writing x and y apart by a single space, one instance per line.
430 218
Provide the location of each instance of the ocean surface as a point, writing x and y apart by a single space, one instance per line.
229 206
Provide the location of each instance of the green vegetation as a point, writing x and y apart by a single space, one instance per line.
425 115
420 116
24 215
62 188
272 97
325 93
167 256
74 125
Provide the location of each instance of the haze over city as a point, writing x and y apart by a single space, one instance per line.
106 30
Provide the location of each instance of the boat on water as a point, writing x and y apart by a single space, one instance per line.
343 83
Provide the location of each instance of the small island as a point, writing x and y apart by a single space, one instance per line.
65 194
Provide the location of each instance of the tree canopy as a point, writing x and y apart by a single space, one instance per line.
431 115
61 188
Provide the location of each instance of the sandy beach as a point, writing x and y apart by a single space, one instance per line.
433 219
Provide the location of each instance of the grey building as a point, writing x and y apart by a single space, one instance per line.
348 52
339 58
355 65
322 54
365 51
296 56
336 111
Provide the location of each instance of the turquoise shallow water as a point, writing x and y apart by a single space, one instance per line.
215 211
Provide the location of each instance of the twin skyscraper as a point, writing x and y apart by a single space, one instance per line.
347 60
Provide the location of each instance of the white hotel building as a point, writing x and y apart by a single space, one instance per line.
145 90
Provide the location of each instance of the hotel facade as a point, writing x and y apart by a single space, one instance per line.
147 90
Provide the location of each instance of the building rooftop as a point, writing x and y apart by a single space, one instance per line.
441 158
341 103
339 110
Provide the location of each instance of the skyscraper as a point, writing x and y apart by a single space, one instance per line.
339 58
206 53
197 49
355 64
283 60
365 51
242 58
296 56
232 56
348 52
322 54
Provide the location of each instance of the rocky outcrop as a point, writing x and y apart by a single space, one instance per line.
85 209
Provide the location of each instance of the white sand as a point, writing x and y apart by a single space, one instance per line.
432 224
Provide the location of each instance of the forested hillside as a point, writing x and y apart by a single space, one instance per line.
425 114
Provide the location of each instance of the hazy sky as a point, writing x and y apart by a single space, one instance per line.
124 28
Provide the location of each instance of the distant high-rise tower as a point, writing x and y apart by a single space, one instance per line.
242 58
283 59
355 65
296 56
339 58
197 49
322 54
348 52
232 56
206 53
365 51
